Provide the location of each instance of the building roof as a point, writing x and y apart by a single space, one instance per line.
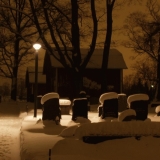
116 60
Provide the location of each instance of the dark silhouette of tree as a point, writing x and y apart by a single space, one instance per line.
146 70
133 84
107 43
4 90
21 89
143 78
15 39
143 31
110 6
61 22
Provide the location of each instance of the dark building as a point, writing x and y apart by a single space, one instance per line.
58 79
30 79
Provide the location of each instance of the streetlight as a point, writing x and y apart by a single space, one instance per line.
36 46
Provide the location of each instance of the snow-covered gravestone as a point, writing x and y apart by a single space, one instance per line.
157 110
51 107
108 105
139 102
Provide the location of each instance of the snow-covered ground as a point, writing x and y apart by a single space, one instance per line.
10 125
64 141
9 138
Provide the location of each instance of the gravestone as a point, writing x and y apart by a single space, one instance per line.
110 108
141 108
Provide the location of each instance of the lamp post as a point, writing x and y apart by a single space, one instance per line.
36 46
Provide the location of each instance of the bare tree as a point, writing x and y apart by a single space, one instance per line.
107 43
15 39
110 6
4 90
143 31
59 21
146 69
143 78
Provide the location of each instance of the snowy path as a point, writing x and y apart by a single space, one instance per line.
9 132
11 118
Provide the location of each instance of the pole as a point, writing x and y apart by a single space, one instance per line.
49 154
36 47
36 83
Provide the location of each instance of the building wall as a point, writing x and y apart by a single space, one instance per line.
30 91
91 82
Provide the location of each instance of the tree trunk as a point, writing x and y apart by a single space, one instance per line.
109 6
15 70
14 84
14 89
77 83
76 56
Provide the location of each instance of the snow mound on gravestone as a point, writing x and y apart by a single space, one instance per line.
127 113
72 126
